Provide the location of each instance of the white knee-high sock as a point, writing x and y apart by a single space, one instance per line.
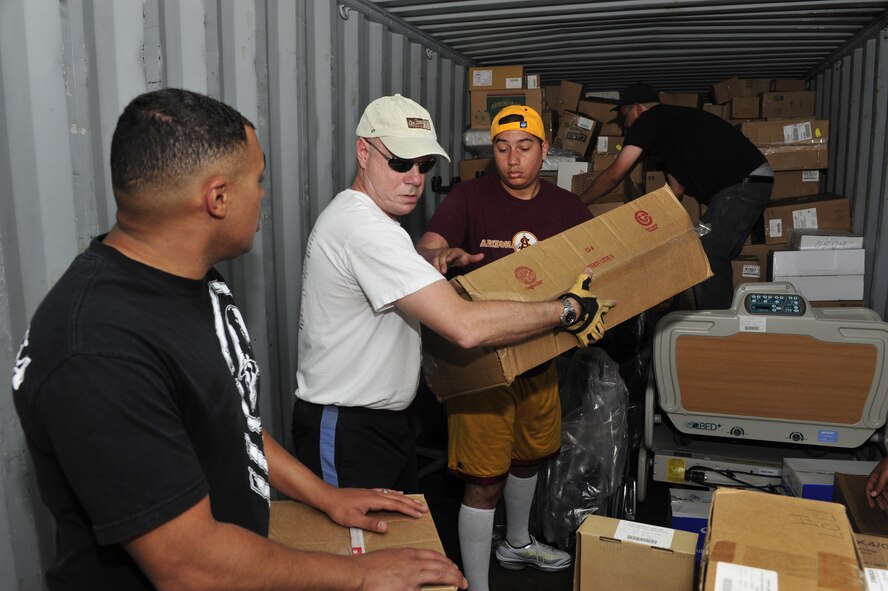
475 533
518 496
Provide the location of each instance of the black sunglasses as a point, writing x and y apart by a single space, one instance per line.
401 165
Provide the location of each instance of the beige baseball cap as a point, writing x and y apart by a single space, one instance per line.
403 125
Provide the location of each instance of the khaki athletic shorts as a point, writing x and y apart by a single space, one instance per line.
515 425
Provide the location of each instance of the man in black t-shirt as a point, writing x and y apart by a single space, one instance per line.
137 388
704 156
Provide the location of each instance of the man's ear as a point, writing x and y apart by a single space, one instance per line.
362 151
216 197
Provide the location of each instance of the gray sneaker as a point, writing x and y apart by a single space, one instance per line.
536 554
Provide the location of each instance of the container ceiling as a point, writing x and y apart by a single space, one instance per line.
680 45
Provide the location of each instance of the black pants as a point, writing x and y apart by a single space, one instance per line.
731 215
356 446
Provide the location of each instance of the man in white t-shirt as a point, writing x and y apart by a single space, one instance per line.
365 292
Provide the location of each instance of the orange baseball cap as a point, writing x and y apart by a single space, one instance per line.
521 118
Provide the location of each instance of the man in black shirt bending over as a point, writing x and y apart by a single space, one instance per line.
706 157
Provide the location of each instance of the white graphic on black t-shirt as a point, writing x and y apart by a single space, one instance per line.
235 343
22 361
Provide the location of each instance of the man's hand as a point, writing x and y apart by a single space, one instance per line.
444 258
875 486
590 322
407 569
349 507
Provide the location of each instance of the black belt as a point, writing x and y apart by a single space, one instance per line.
754 178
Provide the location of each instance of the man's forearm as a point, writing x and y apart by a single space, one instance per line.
601 186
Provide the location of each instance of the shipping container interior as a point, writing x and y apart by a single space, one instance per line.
303 72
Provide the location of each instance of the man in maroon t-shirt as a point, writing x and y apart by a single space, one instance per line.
499 438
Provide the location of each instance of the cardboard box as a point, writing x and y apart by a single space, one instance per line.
724 91
568 96
755 86
797 156
550 123
873 550
800 263
642 253
567 171
486 104
469 169
609 144
745 107
626 555
797 183
550 96
299 526
496 78
781 85
722 111
680 99
788 104
575 133
792 131
602 111
746 269
654 179
764 253
690 512
824 211
814 478
850 490
774 542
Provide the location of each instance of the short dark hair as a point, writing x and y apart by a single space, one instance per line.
171 133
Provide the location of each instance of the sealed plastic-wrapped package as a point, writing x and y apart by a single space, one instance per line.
594 438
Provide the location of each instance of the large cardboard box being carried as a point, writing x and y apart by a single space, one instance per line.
299 526
641 253
627 555
763 541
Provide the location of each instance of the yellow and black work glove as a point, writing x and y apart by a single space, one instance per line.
589 327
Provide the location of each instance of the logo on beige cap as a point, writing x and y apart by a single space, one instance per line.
418 123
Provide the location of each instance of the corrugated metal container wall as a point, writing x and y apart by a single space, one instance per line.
301 71
852 91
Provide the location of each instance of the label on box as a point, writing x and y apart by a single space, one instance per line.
584 123
775 228
805 218
751 271
753 324
513 82
797 132
810 176
876 579
737 577
642 533
482 78
602 145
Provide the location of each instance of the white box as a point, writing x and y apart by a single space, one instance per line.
826 288
795 263
827 242
813 479
566 171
